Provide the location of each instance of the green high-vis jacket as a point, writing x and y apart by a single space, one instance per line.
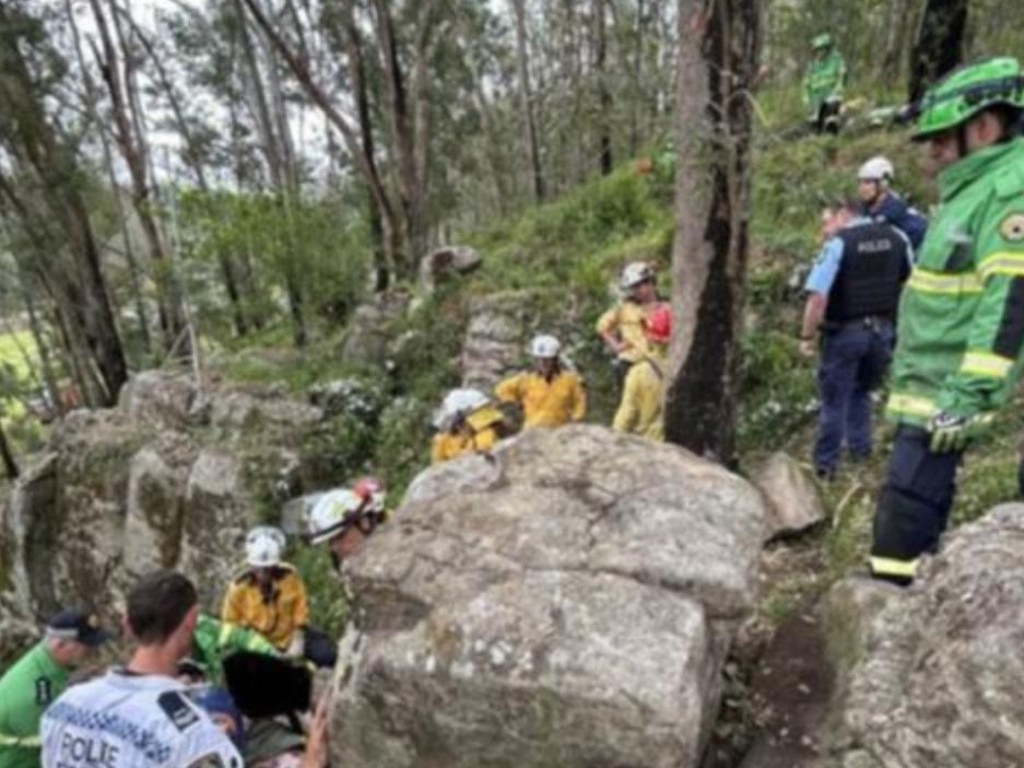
26 690
825 77
213 640
961 317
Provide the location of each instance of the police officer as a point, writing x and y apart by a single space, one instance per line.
879 201
140 715
823 84
958 352
853 291
38 678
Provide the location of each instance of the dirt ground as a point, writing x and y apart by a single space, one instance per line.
778 681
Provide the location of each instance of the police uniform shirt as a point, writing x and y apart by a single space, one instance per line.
123 720
826 266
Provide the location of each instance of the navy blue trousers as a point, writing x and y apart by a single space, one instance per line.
853 362
913 508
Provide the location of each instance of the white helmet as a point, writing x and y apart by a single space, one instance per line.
371 488
458 402
635 273
334 513
876 169
263 546
545 346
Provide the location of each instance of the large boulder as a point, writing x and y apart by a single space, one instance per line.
146 485
155 508
931 675
215 522
568 600
162 399
451 259
369 334
793 502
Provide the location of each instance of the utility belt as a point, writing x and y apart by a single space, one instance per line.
869 322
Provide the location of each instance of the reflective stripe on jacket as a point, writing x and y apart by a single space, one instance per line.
961 317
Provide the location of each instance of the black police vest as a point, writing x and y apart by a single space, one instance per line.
874 265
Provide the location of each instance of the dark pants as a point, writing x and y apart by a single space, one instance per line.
853 361
828 116
914 505
320 649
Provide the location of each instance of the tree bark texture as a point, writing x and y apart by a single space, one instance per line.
10 466
390 218
718 60
604 98
41 152
116 66
526 101
939 45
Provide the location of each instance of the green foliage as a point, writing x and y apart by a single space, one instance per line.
328 608
270 242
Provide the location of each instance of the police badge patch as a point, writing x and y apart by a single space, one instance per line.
44 691
178 710
1012 227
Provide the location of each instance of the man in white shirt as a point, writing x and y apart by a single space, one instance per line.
140 716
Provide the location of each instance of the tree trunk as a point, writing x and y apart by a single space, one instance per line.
939 45
116 67
409 121
357 72
40 150
718 60
276 142
10 466
526 101
604 118
228 270
390 219
108 162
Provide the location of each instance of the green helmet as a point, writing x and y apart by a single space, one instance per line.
824 40
967 91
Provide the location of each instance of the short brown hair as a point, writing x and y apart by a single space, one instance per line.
158 605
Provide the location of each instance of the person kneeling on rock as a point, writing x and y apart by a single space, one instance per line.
550 395
467 421
269 597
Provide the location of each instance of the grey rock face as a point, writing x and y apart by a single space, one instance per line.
569 604
498 329
160 399
125 491
450 259
215 522
793 501
367 342
936 680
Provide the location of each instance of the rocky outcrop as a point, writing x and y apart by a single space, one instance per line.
567 601
367 342
930 676
452 259
167 479
160 399
793 502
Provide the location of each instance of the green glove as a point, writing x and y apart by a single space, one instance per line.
954 433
